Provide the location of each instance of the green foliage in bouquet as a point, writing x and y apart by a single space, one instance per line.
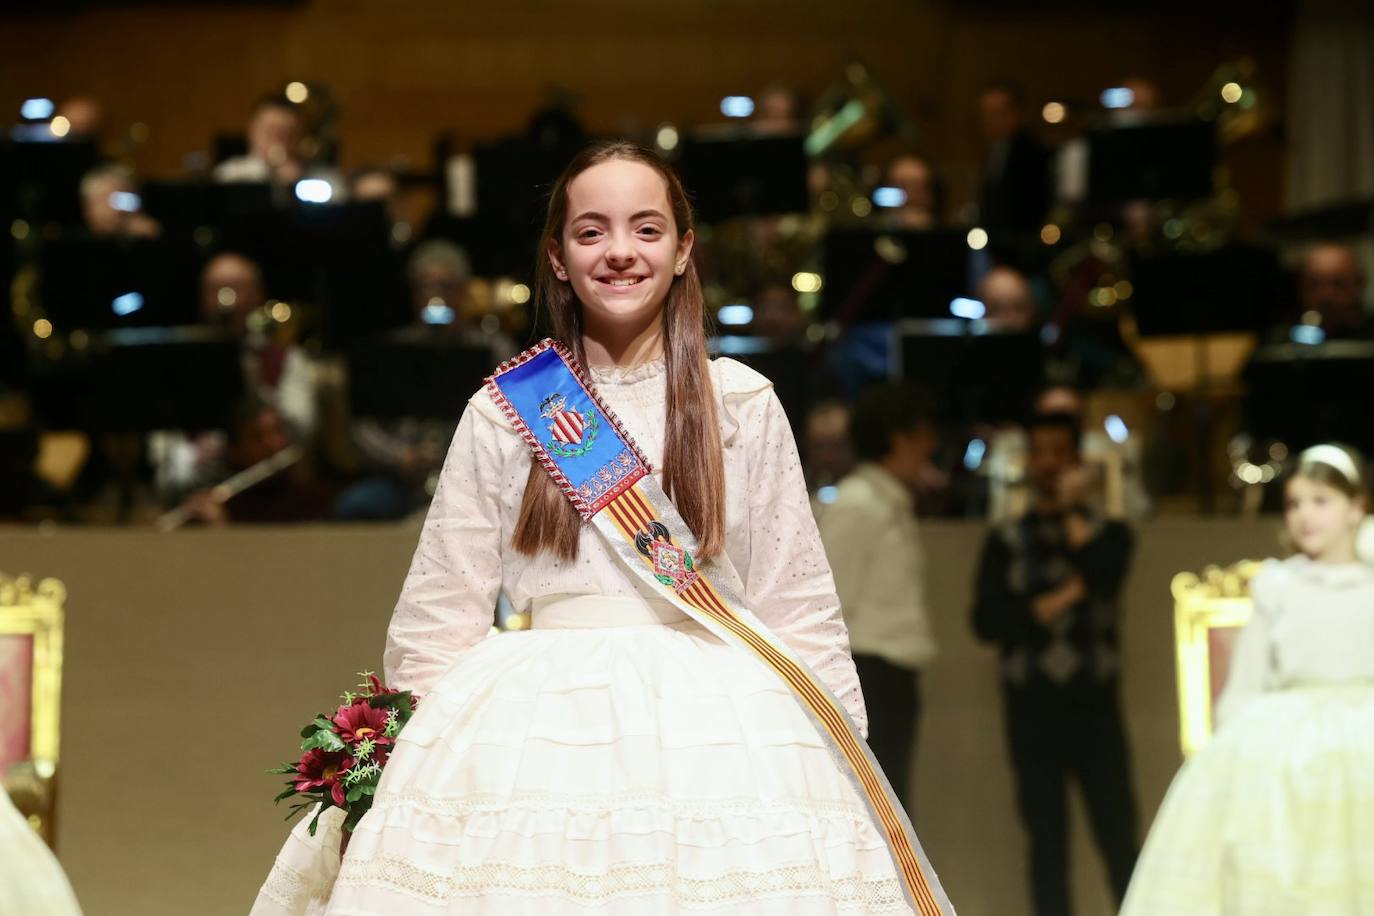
344 754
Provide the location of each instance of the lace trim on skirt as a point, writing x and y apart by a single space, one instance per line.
289 888
466 805
852 891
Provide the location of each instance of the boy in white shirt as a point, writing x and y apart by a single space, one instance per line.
871 539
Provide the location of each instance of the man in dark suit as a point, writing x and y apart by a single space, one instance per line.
1016 174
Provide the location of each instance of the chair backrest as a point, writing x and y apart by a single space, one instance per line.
1209 612
31 620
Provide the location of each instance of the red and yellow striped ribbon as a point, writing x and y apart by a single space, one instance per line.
631 513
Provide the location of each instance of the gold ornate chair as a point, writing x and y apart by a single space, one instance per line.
1209 611
31 683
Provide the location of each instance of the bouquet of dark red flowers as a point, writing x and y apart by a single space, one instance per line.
345 753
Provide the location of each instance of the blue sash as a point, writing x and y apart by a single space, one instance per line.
580 443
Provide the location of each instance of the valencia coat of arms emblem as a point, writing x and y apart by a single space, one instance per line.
572 432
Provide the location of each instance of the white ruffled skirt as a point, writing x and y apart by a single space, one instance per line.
1274 817
618 758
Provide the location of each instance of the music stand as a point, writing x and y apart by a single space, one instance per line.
392 377
788 366
1230 289
514 177
1196 318
100 284
1348 219
144 379
337 256
1151 161
974 374
1302 395
887 276
740 173
185 206
46 177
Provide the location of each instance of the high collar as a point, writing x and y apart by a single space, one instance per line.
1331 575
627 375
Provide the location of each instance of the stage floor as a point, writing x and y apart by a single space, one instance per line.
192 660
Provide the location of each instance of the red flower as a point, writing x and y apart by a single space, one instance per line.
318 769
361 720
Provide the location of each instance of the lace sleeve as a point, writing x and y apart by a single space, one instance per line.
789 585
449 598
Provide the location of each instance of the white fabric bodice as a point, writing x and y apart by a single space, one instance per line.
464 556
1313 624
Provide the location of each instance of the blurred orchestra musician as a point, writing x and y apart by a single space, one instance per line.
276 146
778 314
85 117
258 434
375 182
1016 173
1145 94
922 197
778 110
439 275
826 449
1008 300
110 205
1139 98
399 458
278 150
276 372
383 185
1331 288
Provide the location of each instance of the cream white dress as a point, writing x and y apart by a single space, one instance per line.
1275 816
616 758
31 880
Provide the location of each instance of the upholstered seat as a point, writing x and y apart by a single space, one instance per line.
31 617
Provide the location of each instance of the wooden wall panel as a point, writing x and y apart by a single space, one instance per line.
404 71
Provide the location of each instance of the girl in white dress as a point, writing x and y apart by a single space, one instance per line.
1275 816
617 757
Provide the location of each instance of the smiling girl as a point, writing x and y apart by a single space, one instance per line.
620 757
1276 814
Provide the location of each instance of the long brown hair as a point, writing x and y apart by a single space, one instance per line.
693 465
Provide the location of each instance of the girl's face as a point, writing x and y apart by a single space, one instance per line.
1321 519
620 249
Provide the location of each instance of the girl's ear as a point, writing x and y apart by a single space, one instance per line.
556 259
684 252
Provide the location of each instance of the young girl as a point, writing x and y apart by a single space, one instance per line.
618 757
1276 814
